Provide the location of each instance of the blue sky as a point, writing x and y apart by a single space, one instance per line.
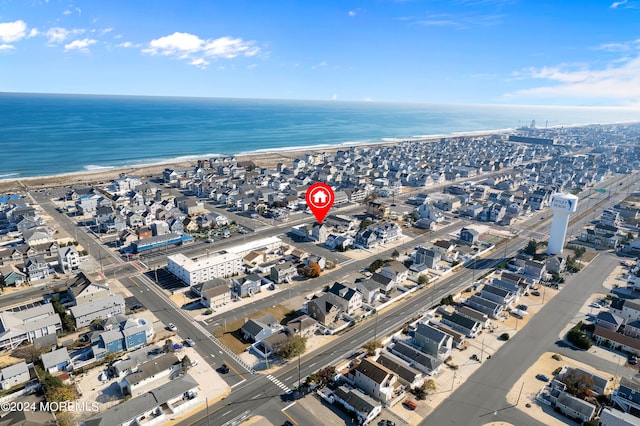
543 52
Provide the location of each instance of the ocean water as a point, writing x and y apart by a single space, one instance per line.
43 135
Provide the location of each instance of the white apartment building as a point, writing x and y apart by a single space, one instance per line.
196 271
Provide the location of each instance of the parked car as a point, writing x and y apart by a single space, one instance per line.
386 423
535 293
523 307
542 377
190 342
172 327
411 405
194 362
633 360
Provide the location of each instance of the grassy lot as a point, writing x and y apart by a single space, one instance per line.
7 360
231 336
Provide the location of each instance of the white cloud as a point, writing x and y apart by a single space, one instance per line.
12 31
125 44
618 82
251 66
56 35
67 12
81 45
334 97
106 30
625 4
191 47
320 65
199 62
6 47
620 47
368 99
34 32
352 13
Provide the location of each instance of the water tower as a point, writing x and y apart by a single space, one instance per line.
562 206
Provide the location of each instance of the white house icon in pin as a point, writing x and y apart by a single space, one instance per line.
320 197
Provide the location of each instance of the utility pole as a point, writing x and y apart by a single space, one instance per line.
520 393
482 351
453 379
208 420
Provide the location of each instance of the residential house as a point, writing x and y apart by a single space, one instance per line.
396 271
377 210
28 325
352 298
469 236
37 268
555 264
303 325
82 290
475 315
497 294
486 306
326 309
535 270
627 396
609 321
284 272
102 308
14 375
377 381
214 293
56 360
369 289
319 260
247 286
68 258
385 283
574 407
10 276
151 371
627 309
408 376
366 238
365 408
463 324
260 328
612 417
433 341
419 360
616 341
320 232
428 257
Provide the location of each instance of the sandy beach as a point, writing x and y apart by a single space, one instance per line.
267 160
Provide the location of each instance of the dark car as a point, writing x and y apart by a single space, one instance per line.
633 360
542 377
224 369
535 293
386 423
523 307
288 423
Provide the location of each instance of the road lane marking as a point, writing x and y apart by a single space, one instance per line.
256 396
228 412
288 406
239 383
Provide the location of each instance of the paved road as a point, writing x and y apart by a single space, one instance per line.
484 392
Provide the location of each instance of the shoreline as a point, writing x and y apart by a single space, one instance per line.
268 158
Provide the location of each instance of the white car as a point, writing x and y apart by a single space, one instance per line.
172 327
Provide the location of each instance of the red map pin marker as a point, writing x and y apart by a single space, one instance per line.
319 199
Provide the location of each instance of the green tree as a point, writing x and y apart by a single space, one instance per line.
57 306
414 215
325 375
295 346
365 223
67 322
375 265
60 394
395 255
371 347
579 251
629 236
423 279
531 248
185 364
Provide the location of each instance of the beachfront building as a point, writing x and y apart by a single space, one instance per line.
196 271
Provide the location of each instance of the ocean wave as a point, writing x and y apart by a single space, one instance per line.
8 176
95 168
171 160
